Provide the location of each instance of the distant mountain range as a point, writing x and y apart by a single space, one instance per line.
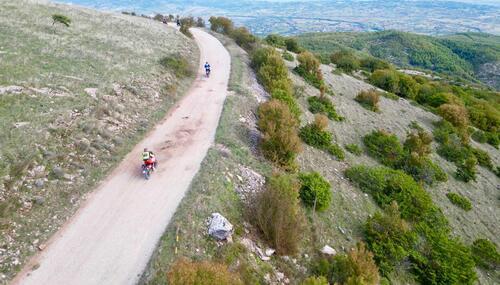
472 56
296 17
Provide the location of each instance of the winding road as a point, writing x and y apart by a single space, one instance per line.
113 235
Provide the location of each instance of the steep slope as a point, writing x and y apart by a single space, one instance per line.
73 100
468 55
235 167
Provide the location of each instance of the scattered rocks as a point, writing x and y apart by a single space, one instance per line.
58 172
39 183
219 227
251 182
13 89
328 250
92 92
20 124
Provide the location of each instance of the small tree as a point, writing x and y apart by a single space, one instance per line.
308 62
58 18
292 45
200 22
315 191
278 213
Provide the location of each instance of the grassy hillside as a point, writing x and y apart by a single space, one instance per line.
468 55
235 169
73 100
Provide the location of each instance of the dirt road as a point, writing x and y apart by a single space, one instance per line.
111 238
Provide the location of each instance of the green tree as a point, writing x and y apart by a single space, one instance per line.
221 25
292 45
315 191
386 79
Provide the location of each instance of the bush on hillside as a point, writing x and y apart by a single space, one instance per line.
357 267
387 185
483 158
485 254
200 23
278 214
315 191
275 40
407 86
61 19
455 114
322 105
178 65
184 271
243 38
280 141
335 150
271 70
221 25
369 99
288 56
385 147
308 68
386 79
418 143
390 238
479 136
466 170
315 136
354 149
346 61
446 261
460 201
372 64
292 45
289 100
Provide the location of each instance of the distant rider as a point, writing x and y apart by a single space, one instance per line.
149 159
207 68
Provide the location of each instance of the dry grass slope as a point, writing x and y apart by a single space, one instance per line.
73 100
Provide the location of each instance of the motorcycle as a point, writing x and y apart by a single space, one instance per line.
147 169
207 72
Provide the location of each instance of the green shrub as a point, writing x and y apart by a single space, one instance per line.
483 158
184 271
480 136
315 281
455 114
275 40
466 171
387 185
312 135
278 214
371 64
288 56
493 138
423 169
178 65
354 149
61 19
289 100
459 201
385 147
390 238
280 141
386 79
346 61
445 261
221 25
369 99
416 162
407 86
292 45
243 38
335 150
316 135
322 105
485 254
315 191
357 267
